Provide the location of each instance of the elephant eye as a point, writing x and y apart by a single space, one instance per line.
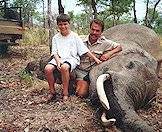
130 65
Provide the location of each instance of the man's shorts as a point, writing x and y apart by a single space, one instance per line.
82 75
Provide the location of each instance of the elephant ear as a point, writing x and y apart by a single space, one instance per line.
100 90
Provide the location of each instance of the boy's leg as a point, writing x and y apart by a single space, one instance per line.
49 68
65 72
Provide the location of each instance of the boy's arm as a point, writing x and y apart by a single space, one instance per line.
94 57
58 62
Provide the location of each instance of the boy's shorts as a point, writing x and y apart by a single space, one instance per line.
69 62
57 73
82 75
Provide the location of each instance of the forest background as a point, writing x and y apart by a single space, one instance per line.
21 92
39 15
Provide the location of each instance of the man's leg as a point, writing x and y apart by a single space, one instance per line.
82 88
49 68
65 79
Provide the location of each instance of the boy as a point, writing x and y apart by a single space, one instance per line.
67 48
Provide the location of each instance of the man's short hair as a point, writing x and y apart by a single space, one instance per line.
63 18
99 22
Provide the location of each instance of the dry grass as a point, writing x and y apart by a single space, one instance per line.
22 110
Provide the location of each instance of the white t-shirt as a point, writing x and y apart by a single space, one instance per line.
69 48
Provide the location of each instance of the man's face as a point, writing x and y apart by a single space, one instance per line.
64 28
95 32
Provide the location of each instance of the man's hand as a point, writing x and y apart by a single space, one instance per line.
105 57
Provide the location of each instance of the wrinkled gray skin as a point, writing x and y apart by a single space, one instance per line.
133 82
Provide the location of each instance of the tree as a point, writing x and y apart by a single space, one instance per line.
134 11
154 11
60 7
91 4
44 18
28 9
146 15
119 8
150 15
108 10
49 15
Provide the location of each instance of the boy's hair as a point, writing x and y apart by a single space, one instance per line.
99 22
63 18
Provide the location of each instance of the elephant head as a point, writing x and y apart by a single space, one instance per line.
128 82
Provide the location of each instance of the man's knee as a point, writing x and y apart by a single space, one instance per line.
82 88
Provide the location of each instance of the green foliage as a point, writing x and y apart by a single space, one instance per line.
28 8
158 24
81 23
35 36
26 77
109 9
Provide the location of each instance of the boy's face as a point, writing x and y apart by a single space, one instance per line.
64 28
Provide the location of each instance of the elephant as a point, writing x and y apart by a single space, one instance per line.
125 83
128 81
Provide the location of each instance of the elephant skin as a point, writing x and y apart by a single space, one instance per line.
132 82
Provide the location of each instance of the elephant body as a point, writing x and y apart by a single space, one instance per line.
133 81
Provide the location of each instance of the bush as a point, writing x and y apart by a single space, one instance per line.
26 78
35 36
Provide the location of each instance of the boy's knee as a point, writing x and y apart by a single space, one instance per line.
65 67
48 68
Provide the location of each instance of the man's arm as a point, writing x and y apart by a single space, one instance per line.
110 53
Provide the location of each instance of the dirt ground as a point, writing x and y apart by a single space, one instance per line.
22 111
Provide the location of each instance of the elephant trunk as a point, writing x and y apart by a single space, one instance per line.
134 122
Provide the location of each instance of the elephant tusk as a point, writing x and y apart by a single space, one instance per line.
107 122
101 92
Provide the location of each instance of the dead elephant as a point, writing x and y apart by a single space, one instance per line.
128 80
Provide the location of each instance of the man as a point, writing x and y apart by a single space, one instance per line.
101 47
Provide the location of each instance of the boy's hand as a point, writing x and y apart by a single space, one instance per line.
98 61
59 65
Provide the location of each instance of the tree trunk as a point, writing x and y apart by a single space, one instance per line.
94 8
134 11
146 16
154 10
49 23
44 19
113 10
60 7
